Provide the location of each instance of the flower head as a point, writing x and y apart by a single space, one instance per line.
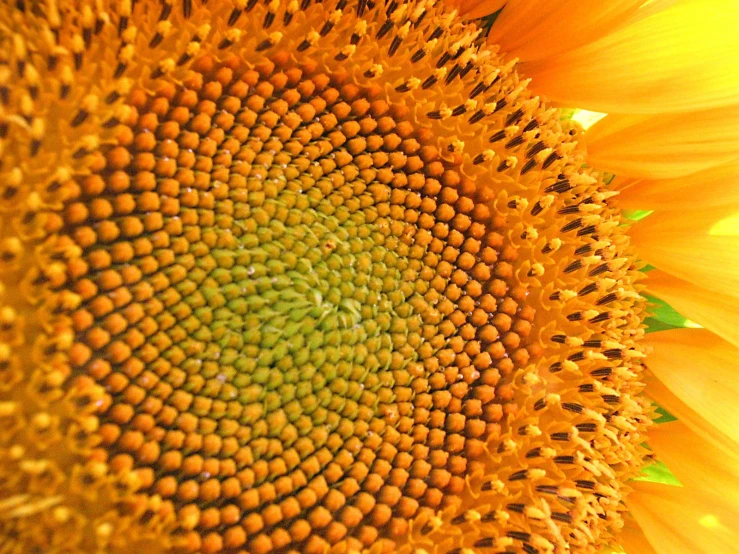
284 276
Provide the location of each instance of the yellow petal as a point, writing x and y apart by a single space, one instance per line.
475 9
713 187
531 30
686 247
702 370
695 461
633 541
681 58
658 392
714 311
664 146
684 520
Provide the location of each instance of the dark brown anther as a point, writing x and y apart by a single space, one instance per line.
583 484
574 266
486 542
553 157
514 117
234 16
184 58
572 225
456 70
34 147
577 316
266 43
500 135
429 82
385 29
477 116
78 60
547 489
528 166
559 187
269 18
602 268
122 24
534 150
603 316
80 118
119 70
303 46
503 166
166 10
606 299
564 460
562 516
531 125
445 57
326 29
394 45
572 407
587 289
586 230
519 535
187 8
515 141
516 507
459 110
571 209
560 437
519 475
586 427
477 90
156 40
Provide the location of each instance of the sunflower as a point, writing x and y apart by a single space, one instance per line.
347 276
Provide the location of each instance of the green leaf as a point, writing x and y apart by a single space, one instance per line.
636 215
665 317
658 472
664 415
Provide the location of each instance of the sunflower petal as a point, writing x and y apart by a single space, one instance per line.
686 520
713 187
695 461
475 9
633 541
689 249
531 30
658 392
664 146
712 310
678 59
702 370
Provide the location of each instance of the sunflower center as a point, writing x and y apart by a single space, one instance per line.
302 309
